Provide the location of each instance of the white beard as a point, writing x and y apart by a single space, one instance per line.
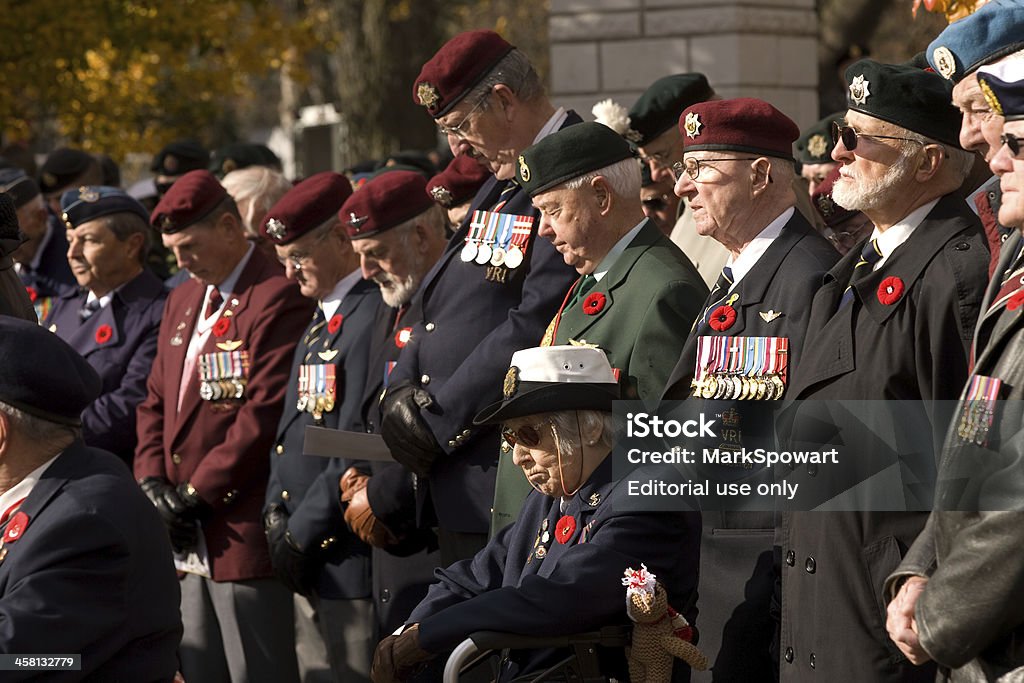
857 194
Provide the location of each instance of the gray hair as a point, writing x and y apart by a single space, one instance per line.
124 225
568 431
959 162
42 432
514 71
261 185
434 219
623 177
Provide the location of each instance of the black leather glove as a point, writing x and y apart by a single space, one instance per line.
295 568
407 436
183 532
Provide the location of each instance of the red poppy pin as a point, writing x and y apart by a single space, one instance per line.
16 527
32 293
103 334
334 324
220 328
594 303
722 318
890 291
565 528
1016 301
403 336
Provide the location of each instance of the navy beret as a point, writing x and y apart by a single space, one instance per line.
179 157
242 155
659 107
17 184
385 201
1003 87
814 146
458 183
62 167
920 101
994 31
459 65
95 201
43 376
306 206
744 124
190 199
570 153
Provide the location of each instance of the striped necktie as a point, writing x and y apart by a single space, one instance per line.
718 293
86 312
313 335
869 256
506 194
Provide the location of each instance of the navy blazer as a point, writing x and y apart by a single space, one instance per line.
307 485
461 350
53 275
122 360
92 575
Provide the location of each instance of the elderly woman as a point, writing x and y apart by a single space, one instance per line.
557 570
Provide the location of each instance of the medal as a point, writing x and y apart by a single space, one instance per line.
483 254
514 257
468 252
497 256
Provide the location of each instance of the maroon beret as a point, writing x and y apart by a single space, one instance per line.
384 202
459 65
306 206
190 199
744 124
458 183
825 205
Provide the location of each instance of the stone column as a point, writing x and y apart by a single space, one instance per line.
749 48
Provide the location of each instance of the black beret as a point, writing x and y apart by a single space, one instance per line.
659 107
43 376
1003 87
95 201
814 146
62 168
570 153
9 229
920 101
180 157
18 185
242 155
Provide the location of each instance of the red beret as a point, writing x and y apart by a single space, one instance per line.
384 202
458 183
825 205
191 198
306 206
459 65
744 124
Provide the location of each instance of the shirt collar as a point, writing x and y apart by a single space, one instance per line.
553 124
752 253
332 302
24 487
900 232
613 255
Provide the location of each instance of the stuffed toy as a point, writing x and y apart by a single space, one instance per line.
659 632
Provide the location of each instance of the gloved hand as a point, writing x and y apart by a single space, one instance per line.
184 533
407 436
295 568
398 657
359 514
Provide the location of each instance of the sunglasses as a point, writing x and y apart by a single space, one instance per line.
528 435
1011 141
850 136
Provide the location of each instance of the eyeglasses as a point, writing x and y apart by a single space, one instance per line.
692 166
1011 141
457 130
527 435
300 260
849 135
657 158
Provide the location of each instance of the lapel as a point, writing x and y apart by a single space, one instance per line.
990 315
86 338
582 508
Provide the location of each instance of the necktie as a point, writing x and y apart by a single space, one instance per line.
718 293
213 303
586 283
869 256
86 312
506 194
313 335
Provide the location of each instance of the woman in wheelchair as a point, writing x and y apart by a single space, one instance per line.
557 569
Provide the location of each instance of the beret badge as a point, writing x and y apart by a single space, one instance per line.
427 95
442 196
49 179
524 170
170 163
276 229
944 60
859 92
511 382
356 221
692 124
88 195
817 145
228 166
633 135
166 223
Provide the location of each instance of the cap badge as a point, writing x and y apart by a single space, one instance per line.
990 97
49 179
859 92
692 124
442 196
166 223
87 195
945 63
228 166
276 229
524 170
817 146
633 135
511 382
171 163
356 221
427 95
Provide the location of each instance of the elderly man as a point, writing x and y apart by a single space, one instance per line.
398 233
659 202
14 300
214 398
557 569
967 562
893 320
737 174
491 293
455 186
312 551
85 567
115 319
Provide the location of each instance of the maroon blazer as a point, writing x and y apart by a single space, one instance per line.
221 447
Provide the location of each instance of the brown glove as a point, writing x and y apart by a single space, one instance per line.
360 518
398 657
350 481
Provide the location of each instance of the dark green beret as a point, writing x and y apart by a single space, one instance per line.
814 146
658 109
62 167
920 101
569 153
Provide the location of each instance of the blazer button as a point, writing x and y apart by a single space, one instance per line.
285 495
810 660
327 542
961 246
425 380
789 655
810 565
175 458
791 558
385 595
429 327
466 433
280 449
452 444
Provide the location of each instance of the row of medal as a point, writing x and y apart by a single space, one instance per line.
223 375
979 409
741 368
541 543
317 389
497 239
